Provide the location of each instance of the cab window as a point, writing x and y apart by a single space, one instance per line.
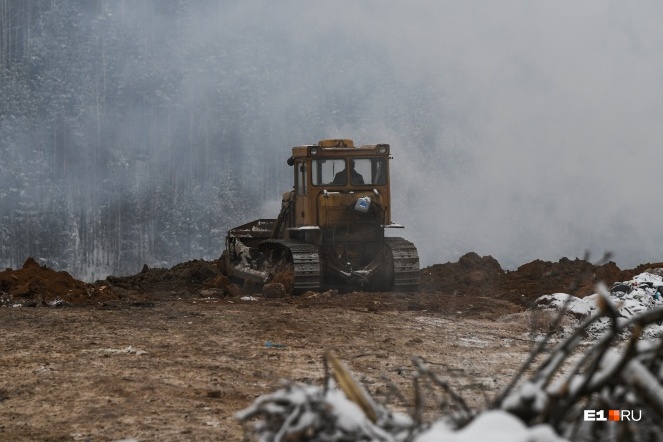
369 171
329 172
362 171
301 177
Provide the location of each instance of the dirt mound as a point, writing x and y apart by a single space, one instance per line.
471 271
183 280
483 276
183 277
474 282
577 277
35 285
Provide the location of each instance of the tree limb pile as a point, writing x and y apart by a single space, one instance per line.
610 374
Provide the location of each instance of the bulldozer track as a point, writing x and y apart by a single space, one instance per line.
406 264
306 262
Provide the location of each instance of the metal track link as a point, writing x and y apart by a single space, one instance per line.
306 261
406 264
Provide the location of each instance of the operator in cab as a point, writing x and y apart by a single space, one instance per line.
341 178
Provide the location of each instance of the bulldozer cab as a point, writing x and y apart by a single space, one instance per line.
334 177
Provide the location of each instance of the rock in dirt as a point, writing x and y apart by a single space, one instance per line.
235 291
218 282
212 293
274 290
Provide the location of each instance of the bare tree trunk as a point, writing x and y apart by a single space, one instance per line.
5 25
28 29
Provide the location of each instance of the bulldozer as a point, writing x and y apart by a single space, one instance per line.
330 232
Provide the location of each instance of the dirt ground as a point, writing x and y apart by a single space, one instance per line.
172 354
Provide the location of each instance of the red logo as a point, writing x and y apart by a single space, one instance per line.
614 415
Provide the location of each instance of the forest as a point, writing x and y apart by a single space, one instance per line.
137 132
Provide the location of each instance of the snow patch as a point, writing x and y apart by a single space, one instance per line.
491 426
472 342
630 298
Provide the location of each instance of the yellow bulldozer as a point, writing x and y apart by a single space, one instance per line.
330 232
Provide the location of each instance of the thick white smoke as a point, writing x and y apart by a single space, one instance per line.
520 129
